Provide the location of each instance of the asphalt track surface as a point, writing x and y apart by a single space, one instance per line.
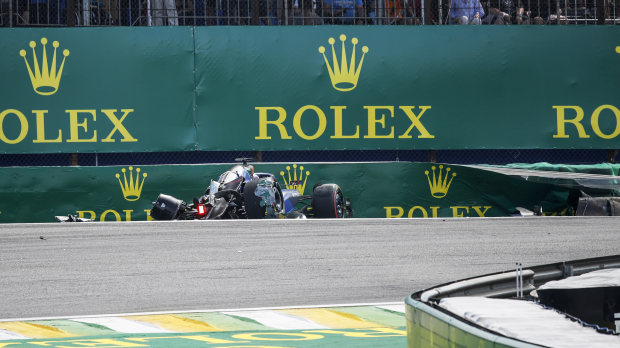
55 270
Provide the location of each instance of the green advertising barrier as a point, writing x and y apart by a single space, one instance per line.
376 190
329 87
96 90
430 87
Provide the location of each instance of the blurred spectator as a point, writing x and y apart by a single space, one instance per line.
395 12
159 8
505 12
466 12
296 5
239 12
344 11
37 14
542 11
131 12
304 15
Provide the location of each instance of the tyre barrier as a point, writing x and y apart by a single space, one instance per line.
429 324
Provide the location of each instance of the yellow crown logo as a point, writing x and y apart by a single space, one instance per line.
44 81
132 190
344 77
294 183
439 187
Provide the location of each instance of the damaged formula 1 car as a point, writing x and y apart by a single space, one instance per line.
239 193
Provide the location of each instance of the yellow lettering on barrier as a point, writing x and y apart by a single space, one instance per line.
118 217
92 214
251 347
594 121
148 215
555 213
415 122
297 122
73 122
297 336
378 332
262 122
97 342
481 213
576 121
455 211
388 212
202 338
372 121
118 126
7 344
128 214
424 213
41 129
23 123
338 125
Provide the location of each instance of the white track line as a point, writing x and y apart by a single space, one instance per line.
207 311
124 325
280 321
8 335
394 308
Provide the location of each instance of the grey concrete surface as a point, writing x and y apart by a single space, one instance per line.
106 268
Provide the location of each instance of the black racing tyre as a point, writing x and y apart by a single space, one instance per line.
252 202
328 202
166 208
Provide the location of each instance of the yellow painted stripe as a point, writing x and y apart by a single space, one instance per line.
174 323
330 318
34 330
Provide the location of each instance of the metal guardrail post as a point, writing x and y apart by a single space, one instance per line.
85 13
432 156
611 155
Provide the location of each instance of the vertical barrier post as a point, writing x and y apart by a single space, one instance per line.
432 156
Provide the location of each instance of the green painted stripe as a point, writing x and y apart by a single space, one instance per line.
374 315
75 328
226 322
349 338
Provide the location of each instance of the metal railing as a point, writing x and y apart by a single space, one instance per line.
487 156
49 13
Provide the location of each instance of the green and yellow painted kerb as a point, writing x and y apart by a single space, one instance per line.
361 326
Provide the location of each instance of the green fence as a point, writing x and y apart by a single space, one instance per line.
334 87
377 190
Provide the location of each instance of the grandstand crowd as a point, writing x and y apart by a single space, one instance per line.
32 13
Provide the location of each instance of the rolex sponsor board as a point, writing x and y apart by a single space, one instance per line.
331 87
430 87
376 190
96 90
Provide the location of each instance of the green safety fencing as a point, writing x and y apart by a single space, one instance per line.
601 168
376 190
333 87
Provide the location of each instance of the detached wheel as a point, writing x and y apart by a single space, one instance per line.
328 202
262 198
166 208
